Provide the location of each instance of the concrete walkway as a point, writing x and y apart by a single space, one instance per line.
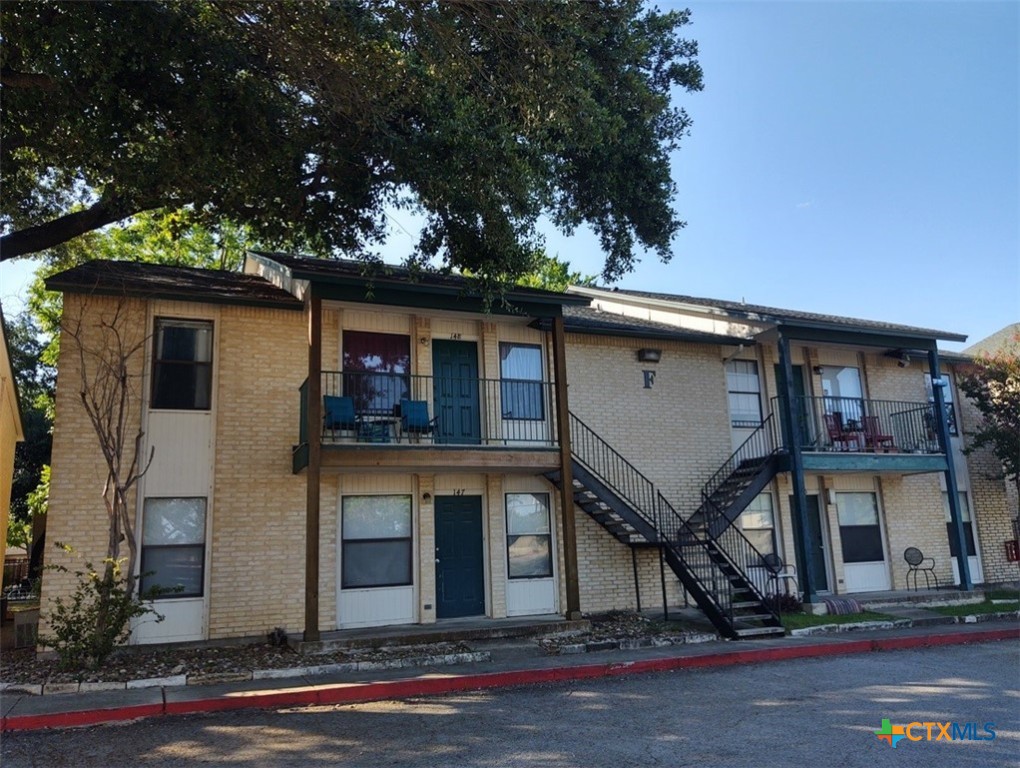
512 663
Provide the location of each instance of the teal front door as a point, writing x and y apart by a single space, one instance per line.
816 543
460 570
455 368
799 405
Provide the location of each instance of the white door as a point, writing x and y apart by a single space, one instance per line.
973 550
860 531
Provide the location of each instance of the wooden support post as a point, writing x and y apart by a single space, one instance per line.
566 472
314 430
957 535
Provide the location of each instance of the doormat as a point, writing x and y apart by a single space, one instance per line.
841 606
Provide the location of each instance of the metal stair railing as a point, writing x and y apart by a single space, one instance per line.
745 558
760 445
699 556
695 554
622 477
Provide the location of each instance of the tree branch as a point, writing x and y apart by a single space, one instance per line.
11 79
38 238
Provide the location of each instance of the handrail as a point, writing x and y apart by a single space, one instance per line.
837 423
604 461
760 444
738 549
698 551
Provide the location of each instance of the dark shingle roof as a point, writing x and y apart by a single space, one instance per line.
995 342
790 316
377 273
131 278
591 320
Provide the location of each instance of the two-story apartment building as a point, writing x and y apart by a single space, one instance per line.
335 446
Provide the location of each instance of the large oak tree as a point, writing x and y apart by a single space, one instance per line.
309 121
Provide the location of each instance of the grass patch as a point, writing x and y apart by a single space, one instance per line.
802 620
1003 594
974 608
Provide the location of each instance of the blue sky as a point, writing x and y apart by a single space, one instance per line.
854 158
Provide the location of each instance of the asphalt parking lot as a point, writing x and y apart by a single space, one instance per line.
816 712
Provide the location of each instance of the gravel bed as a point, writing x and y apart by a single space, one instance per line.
23 666
619 629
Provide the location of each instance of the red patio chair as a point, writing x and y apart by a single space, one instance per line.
873 437
834 426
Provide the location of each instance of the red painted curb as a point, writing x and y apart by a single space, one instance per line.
351 693
76 719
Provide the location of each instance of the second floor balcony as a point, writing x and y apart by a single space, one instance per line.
378 420
852 434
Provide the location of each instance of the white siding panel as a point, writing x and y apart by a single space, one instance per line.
866 577
181 442
183 621
376 607
530 597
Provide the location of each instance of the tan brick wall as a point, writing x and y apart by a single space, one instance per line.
77 514
258 519
994 511
606 572
677 433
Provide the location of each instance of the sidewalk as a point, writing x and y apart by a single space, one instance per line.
513 663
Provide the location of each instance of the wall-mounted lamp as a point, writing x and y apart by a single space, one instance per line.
818 369
424 340
830 496
649 355
904 360
426 496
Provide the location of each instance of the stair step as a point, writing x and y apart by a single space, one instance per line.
745 604
753 616
759 631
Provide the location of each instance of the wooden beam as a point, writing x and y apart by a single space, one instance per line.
402 458
566 472
314 431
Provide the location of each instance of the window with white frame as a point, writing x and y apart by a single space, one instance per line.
758 524
520 371
528 536
182 364
173 547
744 387
376 542
859 531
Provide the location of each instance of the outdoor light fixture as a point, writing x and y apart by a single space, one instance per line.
649 355
904 360
426 496
818 370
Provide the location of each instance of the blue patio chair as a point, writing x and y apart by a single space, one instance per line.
414 418
339 414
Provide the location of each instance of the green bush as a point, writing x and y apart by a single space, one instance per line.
95 618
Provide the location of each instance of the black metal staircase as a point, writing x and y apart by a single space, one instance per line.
714 561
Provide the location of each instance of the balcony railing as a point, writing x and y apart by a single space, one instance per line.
861 425
447 410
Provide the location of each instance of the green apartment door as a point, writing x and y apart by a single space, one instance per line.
460 565
455 368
